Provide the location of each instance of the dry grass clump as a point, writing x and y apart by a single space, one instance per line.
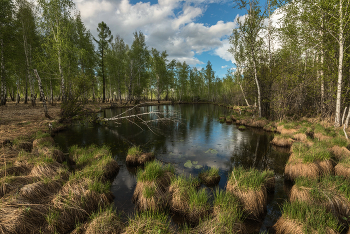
300 137
51 152
210 177
49 169
18 217
151 192
343 168
73 207
285 131
16 168
309 161
259 123
137 157
44 141
332 192
282 141
300 217
150 223
39 192
104 221
340 152
13 183
178 190
250 187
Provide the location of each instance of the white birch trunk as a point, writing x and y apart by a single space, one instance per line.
340 65
42 95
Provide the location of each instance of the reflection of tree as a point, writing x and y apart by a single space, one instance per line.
257 152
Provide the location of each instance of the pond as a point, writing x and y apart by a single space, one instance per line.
198 142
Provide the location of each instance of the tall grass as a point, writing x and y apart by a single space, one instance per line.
249 178
314 219
198 199
134 151
149 222
154 170
86 155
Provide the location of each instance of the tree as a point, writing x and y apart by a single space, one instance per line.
209 75
159 71
6 36
105 37
246 37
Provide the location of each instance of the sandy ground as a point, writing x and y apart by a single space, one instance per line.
24 120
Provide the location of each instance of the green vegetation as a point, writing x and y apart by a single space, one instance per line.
312 217
149 222
249 178
154 170
134 151
40 134
210 176
242 127
198 199
87 155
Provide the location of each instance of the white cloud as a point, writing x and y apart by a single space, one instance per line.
222 51
224 66
177 33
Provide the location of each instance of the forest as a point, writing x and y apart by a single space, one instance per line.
295 66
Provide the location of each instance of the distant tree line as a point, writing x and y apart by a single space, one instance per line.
50 37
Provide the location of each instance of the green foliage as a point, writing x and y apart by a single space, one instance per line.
154 170
198 199
249 178
134 151
313 218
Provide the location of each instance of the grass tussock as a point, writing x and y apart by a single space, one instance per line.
299 137
297 168
227 217
86 155
46 141
39 192
242 127
198 206
149 222
151 192
210 177
282 141
228 119
340 152
104 221
332 192
179 198
13 183
250 187
49 169
18 217
137 157
300 217
343 168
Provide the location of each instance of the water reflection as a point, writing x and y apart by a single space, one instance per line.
199 139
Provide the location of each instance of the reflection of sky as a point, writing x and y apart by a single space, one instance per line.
200 137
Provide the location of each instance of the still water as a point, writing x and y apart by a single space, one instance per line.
197 142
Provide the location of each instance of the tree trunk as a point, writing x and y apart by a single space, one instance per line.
3 80
130 82
257 85
340 66
63 94
42 95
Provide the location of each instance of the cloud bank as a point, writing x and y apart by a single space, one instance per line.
168 25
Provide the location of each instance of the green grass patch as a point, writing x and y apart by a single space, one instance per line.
149 191
318 151
149 222
198 199
242 127
212 172
314 219
40 134
340 141
154 170
184 183
87 155
249 178
134 151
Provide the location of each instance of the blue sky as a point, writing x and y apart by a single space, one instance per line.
194 31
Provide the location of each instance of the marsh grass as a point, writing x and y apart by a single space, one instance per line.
242 127
210 177
198 205
134 151
154 170
251 178
40 134
87 155
311 218
149 222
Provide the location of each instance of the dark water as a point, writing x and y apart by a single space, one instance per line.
198 142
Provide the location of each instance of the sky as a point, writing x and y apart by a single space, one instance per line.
194 31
